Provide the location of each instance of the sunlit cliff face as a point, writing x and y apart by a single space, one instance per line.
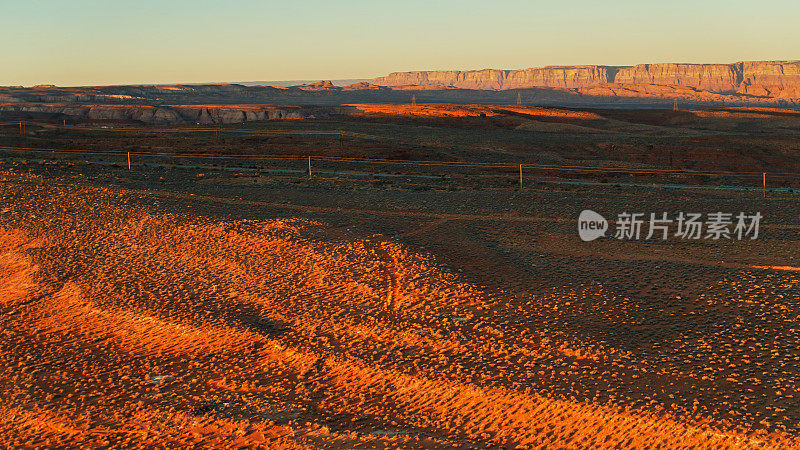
764 78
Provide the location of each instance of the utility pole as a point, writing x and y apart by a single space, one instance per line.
765 184
341 139
129 160
675 105
520 177
413 100
309 167
519 98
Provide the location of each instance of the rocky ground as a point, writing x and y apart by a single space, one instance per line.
732 146
172 308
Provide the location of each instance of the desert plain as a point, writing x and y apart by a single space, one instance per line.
184 284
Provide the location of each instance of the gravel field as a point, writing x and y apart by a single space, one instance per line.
183 306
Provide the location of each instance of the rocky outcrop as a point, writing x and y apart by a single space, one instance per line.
779 79
558 77
554 76
164 115
323 85
362 86
708 77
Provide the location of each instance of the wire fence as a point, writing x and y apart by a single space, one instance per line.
524 172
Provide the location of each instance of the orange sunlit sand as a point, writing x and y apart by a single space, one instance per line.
172 328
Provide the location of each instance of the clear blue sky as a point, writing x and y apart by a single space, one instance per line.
84 42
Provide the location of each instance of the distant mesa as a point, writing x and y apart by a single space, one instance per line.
324 85
362 86
757 83
290 83
778 79
327 85
553 76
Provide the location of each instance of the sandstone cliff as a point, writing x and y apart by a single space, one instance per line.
554 76
708 77
779 79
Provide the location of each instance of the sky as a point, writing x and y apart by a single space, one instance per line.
88 42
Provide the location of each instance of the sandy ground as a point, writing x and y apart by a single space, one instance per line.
273 311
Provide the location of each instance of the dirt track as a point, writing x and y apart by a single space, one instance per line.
328 314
